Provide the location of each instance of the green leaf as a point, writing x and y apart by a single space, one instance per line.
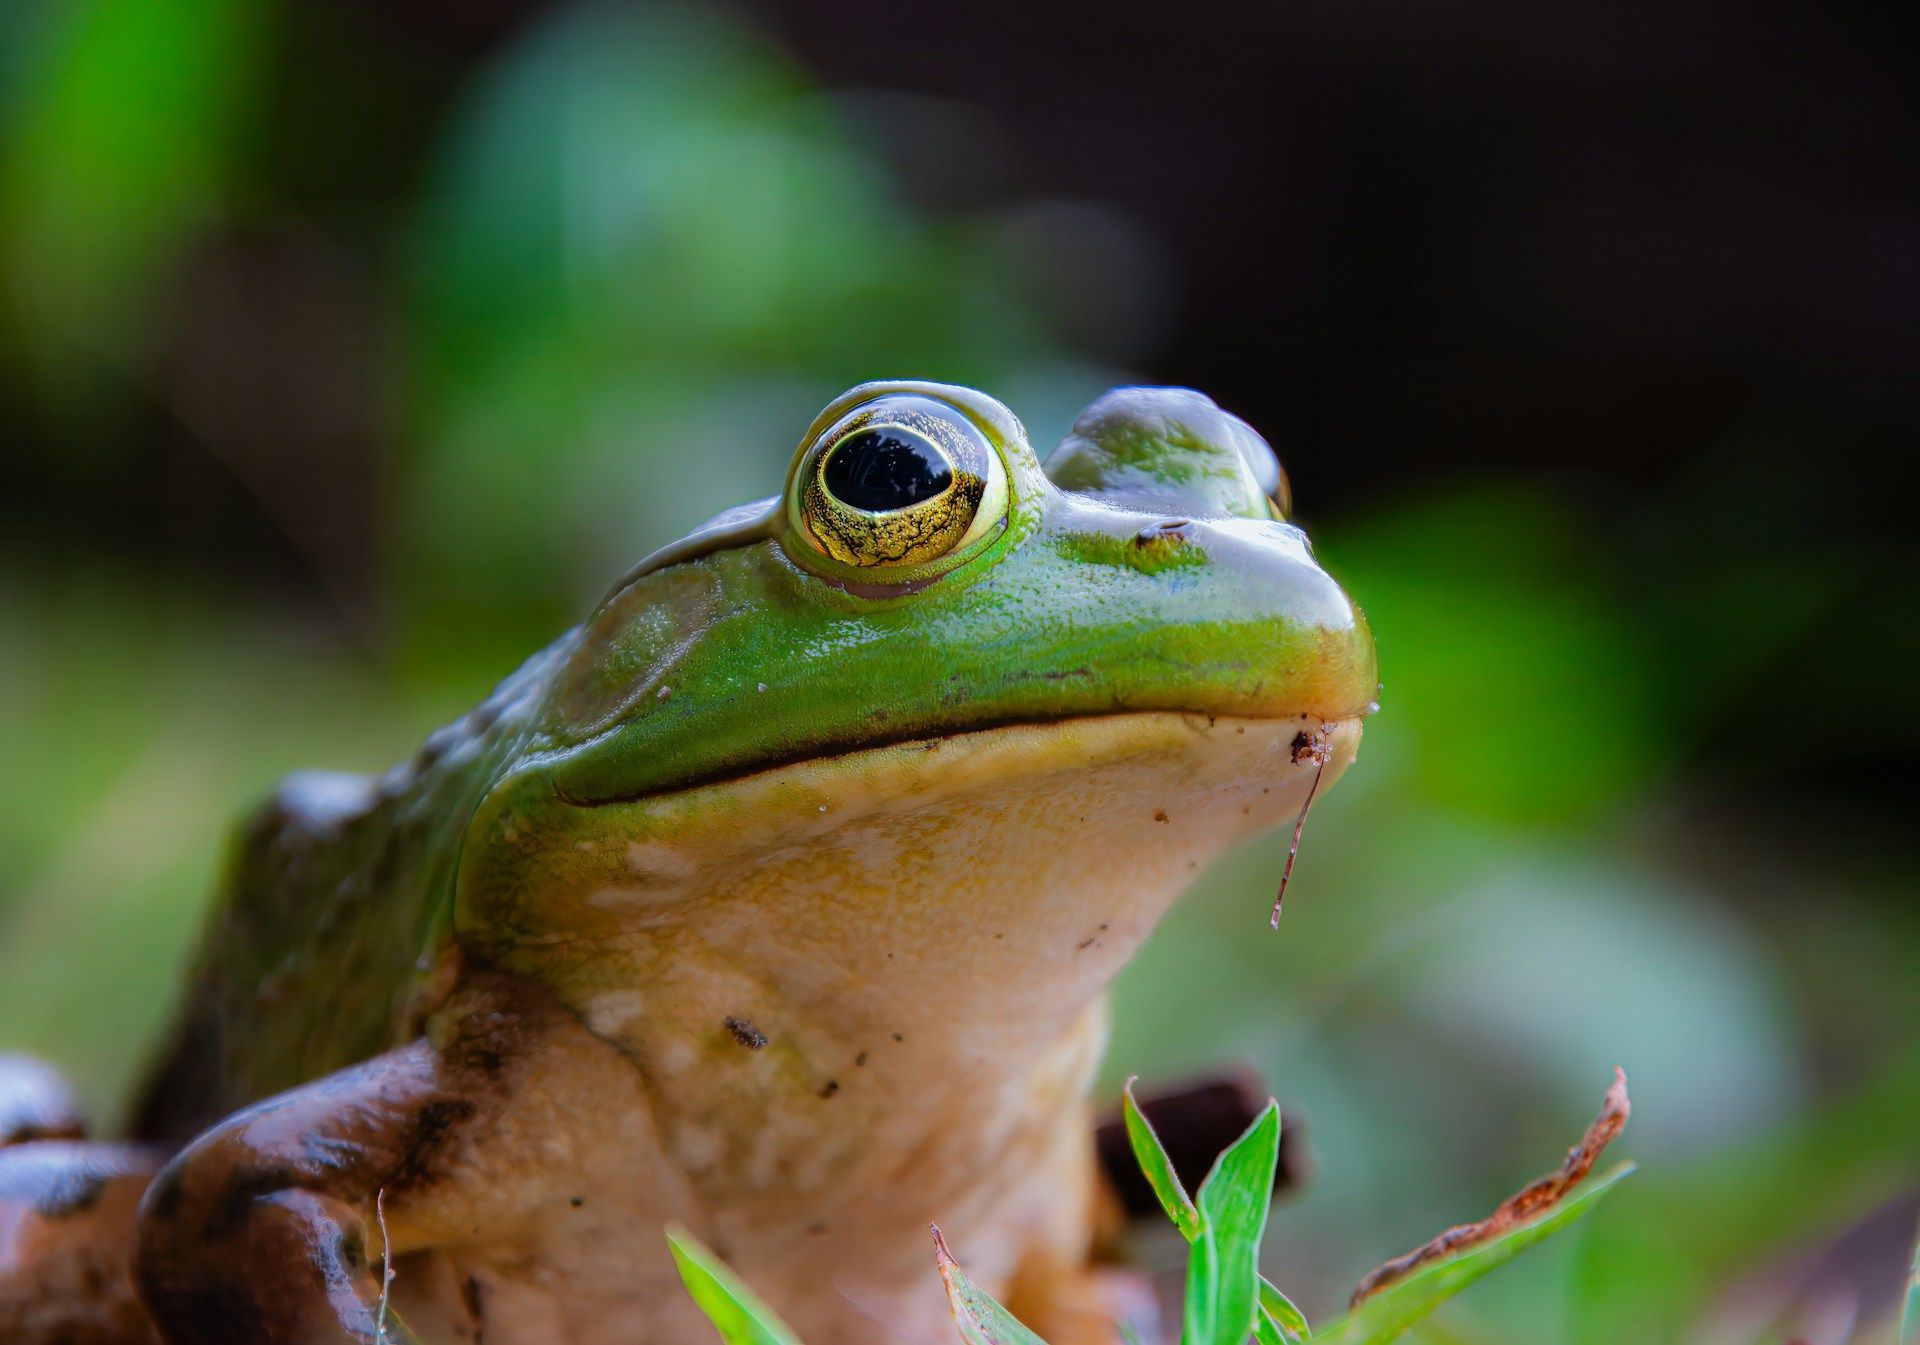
982 1320
1157 1167
1388 1314
130 138
1223 1273
740 1317
1266 1331
1291 1321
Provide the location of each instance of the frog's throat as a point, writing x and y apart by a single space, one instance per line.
987 877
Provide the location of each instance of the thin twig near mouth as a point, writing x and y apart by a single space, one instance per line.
1315 747
1531 1201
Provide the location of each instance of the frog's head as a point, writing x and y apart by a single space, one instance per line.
934 675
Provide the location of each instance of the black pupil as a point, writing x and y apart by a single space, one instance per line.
886 468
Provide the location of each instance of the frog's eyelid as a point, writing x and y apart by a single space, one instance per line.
741 525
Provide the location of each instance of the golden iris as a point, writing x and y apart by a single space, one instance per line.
899 483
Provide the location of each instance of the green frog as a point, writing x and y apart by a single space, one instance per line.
777 900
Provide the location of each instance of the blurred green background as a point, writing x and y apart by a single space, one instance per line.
347 350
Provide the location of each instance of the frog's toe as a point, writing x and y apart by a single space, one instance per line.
66 1242
36 1103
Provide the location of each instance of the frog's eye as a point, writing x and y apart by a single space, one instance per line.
899 482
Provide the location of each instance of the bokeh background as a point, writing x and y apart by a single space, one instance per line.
349 348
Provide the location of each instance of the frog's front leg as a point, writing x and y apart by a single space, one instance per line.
264 1229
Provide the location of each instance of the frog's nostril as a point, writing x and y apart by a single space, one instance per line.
1169 529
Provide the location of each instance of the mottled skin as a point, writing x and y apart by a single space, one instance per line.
777 900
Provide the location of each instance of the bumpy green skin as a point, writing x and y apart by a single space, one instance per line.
743 649
332 918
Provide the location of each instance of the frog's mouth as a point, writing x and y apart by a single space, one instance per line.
963 886
1075 833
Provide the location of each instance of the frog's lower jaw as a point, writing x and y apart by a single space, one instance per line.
981 887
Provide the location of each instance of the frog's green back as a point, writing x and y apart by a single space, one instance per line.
331 918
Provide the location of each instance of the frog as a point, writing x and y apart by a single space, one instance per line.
777 901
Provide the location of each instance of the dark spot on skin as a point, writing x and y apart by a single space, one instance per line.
244 1187
746 1033
829 1088
353 1250
577 1201
486 1061
1084 944
70 1192
430 1126
816 1228
860 1059
1159 814
470 1296
898 1037
1301 745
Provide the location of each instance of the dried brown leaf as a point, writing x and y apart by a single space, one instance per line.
1529 1202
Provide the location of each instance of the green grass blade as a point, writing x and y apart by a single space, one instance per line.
740 1317
1388 1314
1157 1167
981 1319
1910 1314
1285 1315
1223 1273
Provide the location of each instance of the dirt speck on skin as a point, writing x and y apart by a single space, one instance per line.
1159 814
1529 1202
745 1032
829 1088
